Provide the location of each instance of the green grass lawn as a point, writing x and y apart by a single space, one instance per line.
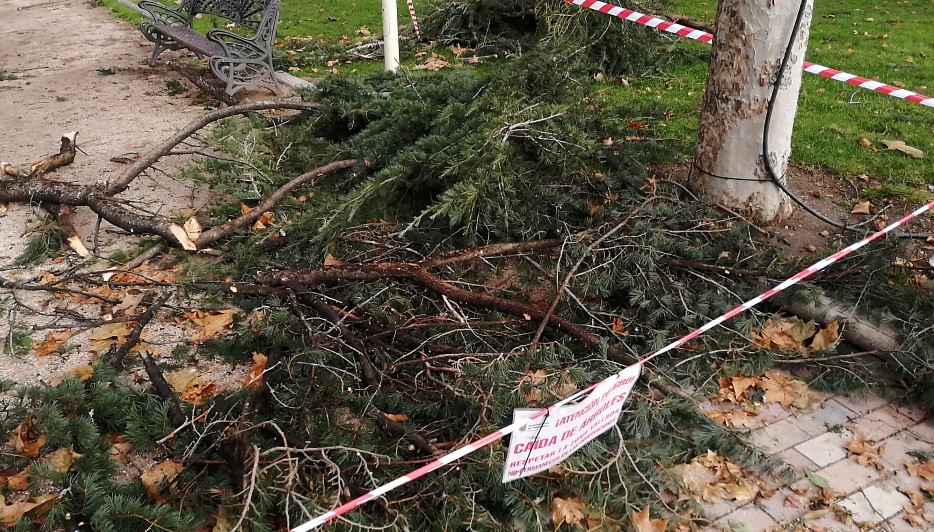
890 41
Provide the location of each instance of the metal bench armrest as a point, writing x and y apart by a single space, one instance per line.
165 15
237 45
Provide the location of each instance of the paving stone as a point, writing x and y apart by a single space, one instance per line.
785 506
752 517
779 436
847 476
773 413
896 448
830 414
716 510
924 430
797 461
898 524
917 413
862 405
826 448
885 498
829 523
879 424
860 509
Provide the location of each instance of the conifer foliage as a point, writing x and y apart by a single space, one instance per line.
385 343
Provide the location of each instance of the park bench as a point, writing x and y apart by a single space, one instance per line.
243 62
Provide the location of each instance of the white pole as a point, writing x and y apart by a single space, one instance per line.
390 36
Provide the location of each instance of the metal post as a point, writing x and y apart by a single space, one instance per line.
390 36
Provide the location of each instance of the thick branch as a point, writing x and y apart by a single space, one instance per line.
857 329
137 167
228 228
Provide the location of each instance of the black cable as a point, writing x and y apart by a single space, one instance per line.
776 86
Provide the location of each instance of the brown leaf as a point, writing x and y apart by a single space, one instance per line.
865 142
434 63
190 387
119 448
158 478
11 513
255 378
904 148
458 50
60 460
570 511
329 260
398 418
53 341
782 390
20 481
211 324
618 327
265 220
82 372
26 438
736 418
363 30
780 332
826 337
129 305
642 522
924 470
103 337
244 208
866 454
861 207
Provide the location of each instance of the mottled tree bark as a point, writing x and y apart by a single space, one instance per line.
751 37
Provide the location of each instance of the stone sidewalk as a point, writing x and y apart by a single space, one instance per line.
873 497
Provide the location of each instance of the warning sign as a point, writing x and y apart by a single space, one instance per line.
547 441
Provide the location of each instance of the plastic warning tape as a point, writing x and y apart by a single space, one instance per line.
414 18
703 36
505 431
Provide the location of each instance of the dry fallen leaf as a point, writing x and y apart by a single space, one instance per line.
363 30
119 448
11 513
826 337
736 418
713 478
434 63
924 470
643 522
20 481
156 479
904 148
265 220
26 438
329 260
570 511
781 332
861 207
190 387
53 341
398 418
866 454
781 389
60 460
130 304
255 378
211 324
82 372
103 337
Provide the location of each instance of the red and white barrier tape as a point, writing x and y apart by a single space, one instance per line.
414 18
703 36
492 437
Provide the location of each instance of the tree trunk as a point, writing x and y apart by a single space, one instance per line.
750 41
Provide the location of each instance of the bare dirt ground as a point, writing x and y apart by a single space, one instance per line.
67 66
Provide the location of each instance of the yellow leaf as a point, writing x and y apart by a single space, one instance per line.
157 479
190 387
26 439
211 324
570 511
53 341
109 334
643 522
82 372
826 337
924 470
255 378
61 460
